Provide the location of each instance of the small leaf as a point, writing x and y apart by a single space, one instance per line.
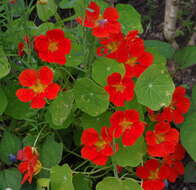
163 48
132 184
10 178
129 18
90 97
82 182
188 134
185 57
61 107
3 101
10 144
50 153
104 67
61 178
43 184
4 64
130 155
155 88
45 11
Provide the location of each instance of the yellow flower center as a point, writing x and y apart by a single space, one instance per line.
53 46
119 87
113 46
38 87
126 124
131 62
160 138
100 144
154 174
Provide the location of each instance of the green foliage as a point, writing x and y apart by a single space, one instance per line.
190 172
188 134
61 107
3 101
163 48
4 64
154 88
10 178
61 178
10 144
129 18
82 182
185 57
90 98
104 67
43 183
130 155
46 10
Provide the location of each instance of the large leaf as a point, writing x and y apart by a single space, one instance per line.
61 178
46 10
190 173
132 184
193 100
80 181
129 18
188 135
16 108
10 179
4 64
43 183
61 107
3 101
104 67
90 97
165 49
130 155
10 144
155 88
185 57
50 153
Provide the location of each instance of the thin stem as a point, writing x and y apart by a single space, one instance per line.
82 164
38 137
91 173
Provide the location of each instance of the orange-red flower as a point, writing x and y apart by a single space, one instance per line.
128 125
21 46
153 173
53 46
30 164
97 148
162 140
40 87
102 25
179 106
120 89
173 161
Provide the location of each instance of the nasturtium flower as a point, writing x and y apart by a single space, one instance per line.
162 140
53 47
97 147
174 163
30 164
40 86
101 25
153 174
180 105
128 125
120 89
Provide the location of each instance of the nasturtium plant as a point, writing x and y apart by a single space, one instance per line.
87 103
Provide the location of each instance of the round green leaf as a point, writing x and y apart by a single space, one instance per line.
188 135
90 98
3 101
154 88
104 67
130 155
129 18
45 11
61 178
164 49
4 64
61 107
82 182
43 183
132 184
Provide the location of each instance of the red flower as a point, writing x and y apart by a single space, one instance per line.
53 46
102 25
173 161
126 124
30 164
12 1
97 148
179 106
153 174
40 86
120 89
21 46
163 140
